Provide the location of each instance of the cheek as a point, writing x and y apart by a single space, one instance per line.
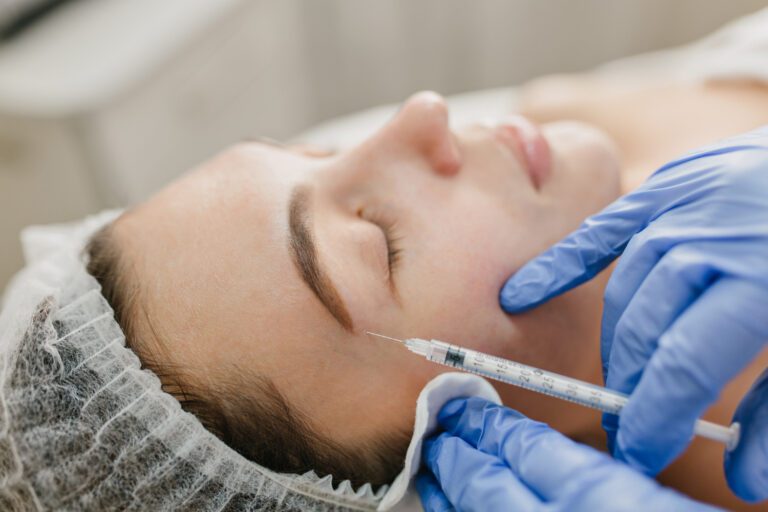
382 385
453 294
452 290
562 336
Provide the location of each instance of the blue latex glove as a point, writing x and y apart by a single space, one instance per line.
686 308
493 458
745 467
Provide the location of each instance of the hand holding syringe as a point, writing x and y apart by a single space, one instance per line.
541 381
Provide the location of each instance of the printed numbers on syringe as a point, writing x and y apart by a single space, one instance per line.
539 380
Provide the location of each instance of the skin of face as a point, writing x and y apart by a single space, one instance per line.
219 288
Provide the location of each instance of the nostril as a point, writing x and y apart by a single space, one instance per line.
446 159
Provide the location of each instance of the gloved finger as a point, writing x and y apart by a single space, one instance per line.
705 348
578 257
432 497
542 458
473 480
746 467
669 289
641 255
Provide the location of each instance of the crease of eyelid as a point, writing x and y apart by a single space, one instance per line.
310 150
390 278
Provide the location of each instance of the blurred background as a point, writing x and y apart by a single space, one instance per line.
104 101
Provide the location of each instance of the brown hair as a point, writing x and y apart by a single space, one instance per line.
260 425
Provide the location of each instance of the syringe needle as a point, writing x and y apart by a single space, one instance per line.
385 337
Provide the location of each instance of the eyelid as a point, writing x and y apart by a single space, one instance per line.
387 223
393 248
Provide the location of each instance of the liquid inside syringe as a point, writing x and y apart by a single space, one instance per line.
542 381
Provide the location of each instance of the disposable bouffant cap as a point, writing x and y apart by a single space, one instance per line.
83 427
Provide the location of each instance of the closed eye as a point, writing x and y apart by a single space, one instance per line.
388 227
394 249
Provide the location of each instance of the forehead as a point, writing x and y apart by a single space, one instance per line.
243 184
253 175
211 247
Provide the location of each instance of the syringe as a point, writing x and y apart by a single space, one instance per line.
548 383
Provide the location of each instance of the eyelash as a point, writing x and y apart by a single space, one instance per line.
393 247
394 251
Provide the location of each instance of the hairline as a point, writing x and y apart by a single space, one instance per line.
204 404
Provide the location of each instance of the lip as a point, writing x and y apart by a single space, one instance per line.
528 144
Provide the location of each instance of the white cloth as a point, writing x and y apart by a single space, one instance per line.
737 51
402 496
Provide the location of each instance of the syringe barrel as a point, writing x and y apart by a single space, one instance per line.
552 384
527 377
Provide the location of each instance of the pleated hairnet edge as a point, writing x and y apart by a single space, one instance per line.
54 259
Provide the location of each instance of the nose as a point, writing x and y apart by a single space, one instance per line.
422 126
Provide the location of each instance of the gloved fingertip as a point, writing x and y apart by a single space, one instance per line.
452 409
747 473
512 299
746 467
432 497
647 461
425 484
431 447
426 447
464 416
749 487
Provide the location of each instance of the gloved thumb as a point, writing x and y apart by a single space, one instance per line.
746 467
578 257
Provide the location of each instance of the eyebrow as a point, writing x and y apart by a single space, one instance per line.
304 255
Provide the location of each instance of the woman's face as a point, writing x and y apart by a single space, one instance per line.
275 262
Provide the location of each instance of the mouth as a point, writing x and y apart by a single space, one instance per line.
529 146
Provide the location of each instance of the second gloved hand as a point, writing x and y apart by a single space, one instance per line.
686 308
493 458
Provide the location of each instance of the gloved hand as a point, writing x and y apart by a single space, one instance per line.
493 458
686 307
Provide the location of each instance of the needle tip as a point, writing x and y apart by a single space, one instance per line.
369 333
